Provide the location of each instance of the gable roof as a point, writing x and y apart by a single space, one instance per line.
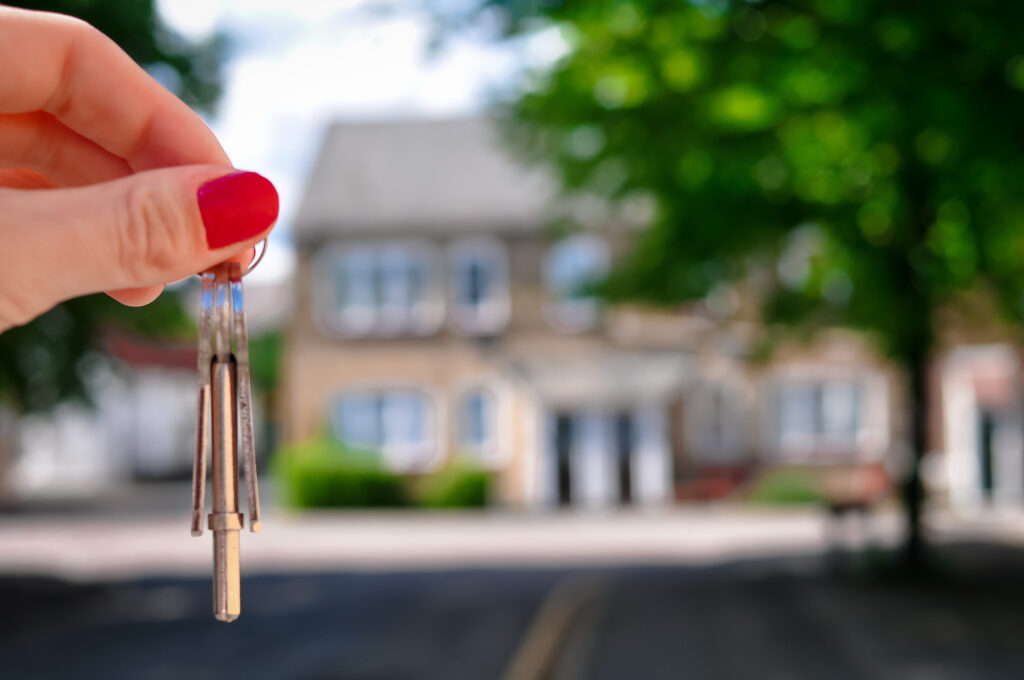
433 176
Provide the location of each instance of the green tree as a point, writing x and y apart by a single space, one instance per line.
887 135
42 362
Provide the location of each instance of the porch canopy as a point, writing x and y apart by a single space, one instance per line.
616 380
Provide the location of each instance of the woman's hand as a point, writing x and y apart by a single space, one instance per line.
108 182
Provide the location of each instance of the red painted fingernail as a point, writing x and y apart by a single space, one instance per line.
236 207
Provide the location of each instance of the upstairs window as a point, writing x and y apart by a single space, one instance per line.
819 417
397 423
477 423
572 266
378 289
479 286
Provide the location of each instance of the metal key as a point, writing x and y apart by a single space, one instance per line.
224 423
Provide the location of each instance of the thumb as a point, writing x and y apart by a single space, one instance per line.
137 232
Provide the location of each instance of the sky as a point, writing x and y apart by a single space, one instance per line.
294 67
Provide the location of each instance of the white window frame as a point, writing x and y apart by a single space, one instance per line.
492 315
396 456
819 444
492 452
731 398
378 319
564 311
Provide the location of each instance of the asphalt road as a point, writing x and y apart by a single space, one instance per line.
776 619
308 627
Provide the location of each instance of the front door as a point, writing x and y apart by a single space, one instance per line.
624 456
986 453
563 458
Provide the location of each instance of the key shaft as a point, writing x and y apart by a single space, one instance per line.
225 520
247 439
202 443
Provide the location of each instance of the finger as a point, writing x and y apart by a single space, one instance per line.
65 67
39 141
139 231
137 297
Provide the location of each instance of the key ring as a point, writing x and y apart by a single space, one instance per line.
259 258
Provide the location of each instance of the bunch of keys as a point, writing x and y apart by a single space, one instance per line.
224 424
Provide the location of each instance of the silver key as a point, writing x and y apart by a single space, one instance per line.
224 423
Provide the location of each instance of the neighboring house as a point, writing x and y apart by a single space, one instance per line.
981 451
437 318
140 426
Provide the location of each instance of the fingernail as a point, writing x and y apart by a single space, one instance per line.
236 207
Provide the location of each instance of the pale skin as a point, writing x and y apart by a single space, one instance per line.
99 168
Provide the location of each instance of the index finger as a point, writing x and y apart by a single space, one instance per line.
53 63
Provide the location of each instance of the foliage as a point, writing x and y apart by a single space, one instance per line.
786 486
457 485
870 151
265 360
321 473
42 362
855 162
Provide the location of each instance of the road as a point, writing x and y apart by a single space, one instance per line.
562 600
766 619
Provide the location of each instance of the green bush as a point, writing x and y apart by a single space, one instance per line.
787 487
322 473
457 485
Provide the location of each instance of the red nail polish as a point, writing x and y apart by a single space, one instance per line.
236 207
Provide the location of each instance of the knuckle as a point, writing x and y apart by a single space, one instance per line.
151 235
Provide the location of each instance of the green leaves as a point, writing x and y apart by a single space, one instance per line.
48 360
896 133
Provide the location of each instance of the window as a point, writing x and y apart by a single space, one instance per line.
478 422
571 266
398 423
819 416
716 422
479 286
378 289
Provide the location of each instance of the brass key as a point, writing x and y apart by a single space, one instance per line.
224 424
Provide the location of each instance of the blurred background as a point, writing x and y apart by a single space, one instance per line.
598 339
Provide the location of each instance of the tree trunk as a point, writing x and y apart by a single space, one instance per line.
912 486
9 431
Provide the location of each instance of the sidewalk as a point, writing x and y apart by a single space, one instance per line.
111 545
105 547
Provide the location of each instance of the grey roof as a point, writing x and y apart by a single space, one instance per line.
426 175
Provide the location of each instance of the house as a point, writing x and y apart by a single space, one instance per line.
437 317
